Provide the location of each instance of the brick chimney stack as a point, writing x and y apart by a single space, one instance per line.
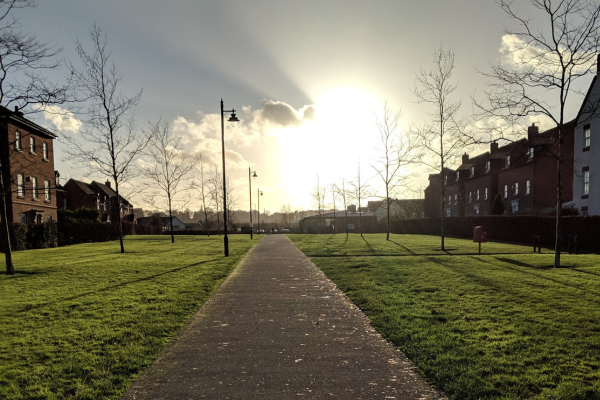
107 183
493 147
532 131
465 158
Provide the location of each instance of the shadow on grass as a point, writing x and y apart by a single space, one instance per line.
522 264
404 247
147 278
368 244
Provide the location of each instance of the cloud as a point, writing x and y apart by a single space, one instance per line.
284 115
63 120
524 55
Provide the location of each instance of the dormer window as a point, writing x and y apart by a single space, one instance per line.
507 161
530 153
488 165
472 171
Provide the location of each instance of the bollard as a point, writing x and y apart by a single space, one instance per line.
539 240
576 246
534 242
569 244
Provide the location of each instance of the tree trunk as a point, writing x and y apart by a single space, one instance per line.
206 222
10 269
557 239
171 220
119 216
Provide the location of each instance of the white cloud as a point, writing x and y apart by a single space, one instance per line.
62 119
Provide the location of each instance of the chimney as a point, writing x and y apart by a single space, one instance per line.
465 158
532 131
107 183
352 208
598 65
17 112
493 147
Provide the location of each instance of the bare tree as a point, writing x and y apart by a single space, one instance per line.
216 193
201 184
397 151
108 143
169 168
318 199
333 189
546 61
345 194
442 137
359 191
23 60
286 215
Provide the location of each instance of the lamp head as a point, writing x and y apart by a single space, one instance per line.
233 120
254 175
261 193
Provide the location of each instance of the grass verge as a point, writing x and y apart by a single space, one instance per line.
500 325
82 322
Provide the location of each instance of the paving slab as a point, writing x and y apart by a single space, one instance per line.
278 328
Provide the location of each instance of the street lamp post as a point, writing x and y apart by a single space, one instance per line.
250 190
258 194
233 120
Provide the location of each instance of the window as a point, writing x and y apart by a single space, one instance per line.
586 136
507 161
527 186
455 199
32 145
470 197
472 171
49 219
530 153
34 187
586 181
476 208
20 188
457 175
23 218
447 212
18 141
450 199
488 164
477 195
445 179
505 191
485 194
514 205
516 188
47 190
45 150
584 211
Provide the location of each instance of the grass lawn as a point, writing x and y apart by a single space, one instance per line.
82 322
500 325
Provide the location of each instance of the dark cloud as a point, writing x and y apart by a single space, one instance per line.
283 114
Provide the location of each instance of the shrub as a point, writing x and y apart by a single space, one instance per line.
498 206
42 236
81 215
18 237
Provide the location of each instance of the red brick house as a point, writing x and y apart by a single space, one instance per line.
523 172
78 194
27 158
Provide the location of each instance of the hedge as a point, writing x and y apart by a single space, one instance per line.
515 229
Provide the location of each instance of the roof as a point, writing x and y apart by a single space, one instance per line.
17 116
107 191
585 100
85 187
342 214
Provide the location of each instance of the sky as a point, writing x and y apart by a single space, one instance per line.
308 78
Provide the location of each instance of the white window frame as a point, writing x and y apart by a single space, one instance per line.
20 185
477 195
448 212
445 179
18 141
530 153
586 182
505 191
47 195
34 189
527 187
488 166
508 161
472 171
514 206
32 144
587 136
456 199
45 150
470 197
516 188
457 175
485 194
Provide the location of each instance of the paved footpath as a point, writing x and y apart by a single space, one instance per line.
278 328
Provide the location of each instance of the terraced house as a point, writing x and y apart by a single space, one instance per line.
27 157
